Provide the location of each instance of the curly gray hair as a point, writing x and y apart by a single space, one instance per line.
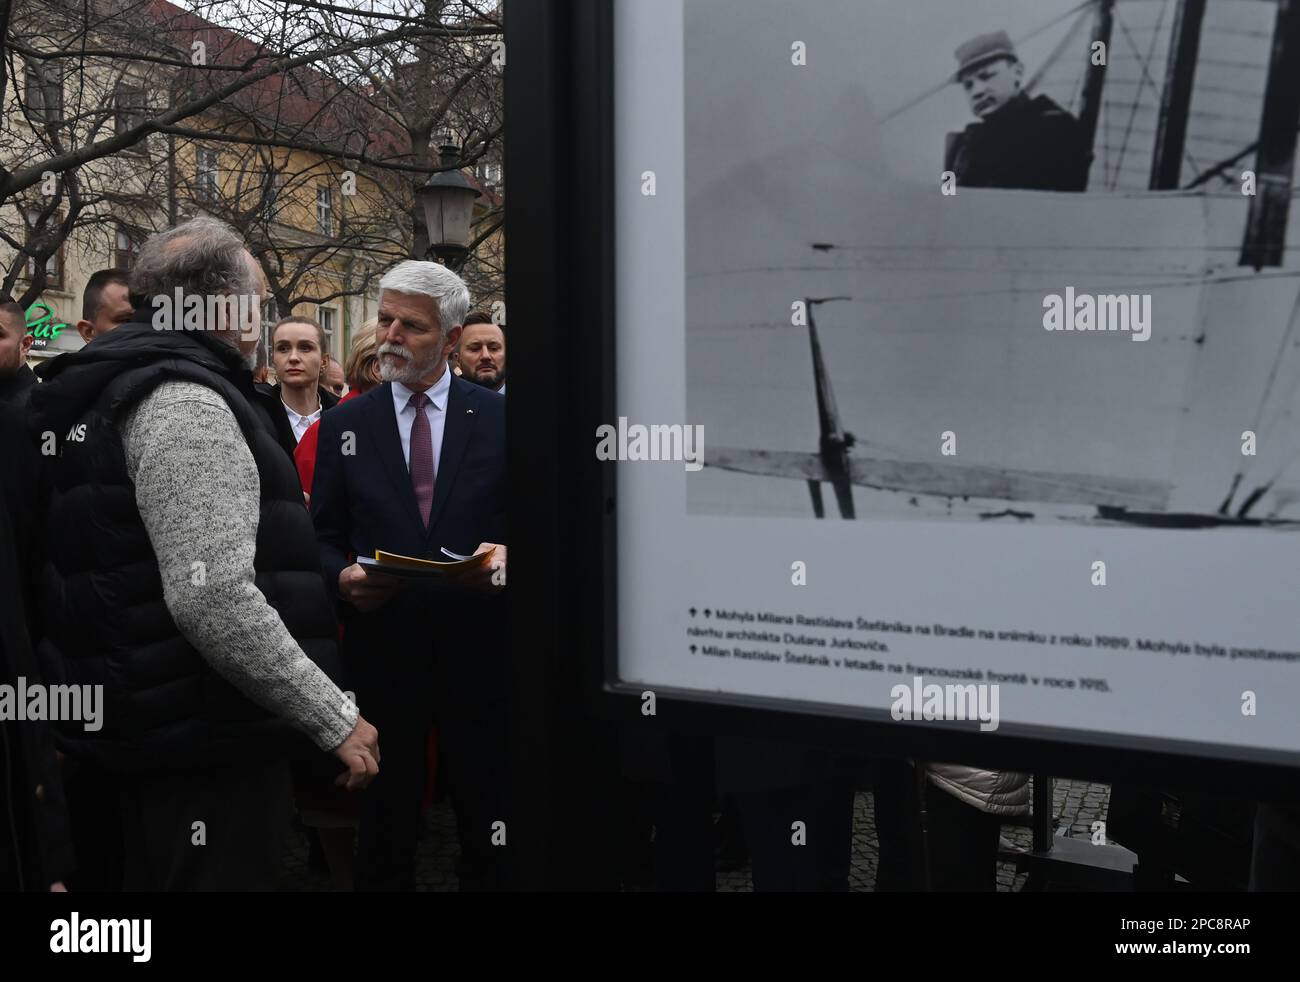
202 256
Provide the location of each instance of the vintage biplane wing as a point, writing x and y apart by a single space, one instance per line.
835 465
949 480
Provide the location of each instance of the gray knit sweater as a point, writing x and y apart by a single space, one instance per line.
198 492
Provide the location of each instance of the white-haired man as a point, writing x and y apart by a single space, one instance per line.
414 466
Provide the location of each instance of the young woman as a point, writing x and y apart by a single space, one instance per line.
300 359
361 371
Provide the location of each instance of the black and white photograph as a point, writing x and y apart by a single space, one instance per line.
1007 261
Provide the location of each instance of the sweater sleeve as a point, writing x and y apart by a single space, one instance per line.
198 492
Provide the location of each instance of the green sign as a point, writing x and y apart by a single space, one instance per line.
41 324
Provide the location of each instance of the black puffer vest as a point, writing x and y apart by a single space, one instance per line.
102 619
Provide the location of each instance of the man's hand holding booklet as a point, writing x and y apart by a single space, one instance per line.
369 583
407 566
485 569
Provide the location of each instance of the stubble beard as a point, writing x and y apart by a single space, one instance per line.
492 381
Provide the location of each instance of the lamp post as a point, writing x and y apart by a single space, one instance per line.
447 200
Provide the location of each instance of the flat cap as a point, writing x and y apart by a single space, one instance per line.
983 49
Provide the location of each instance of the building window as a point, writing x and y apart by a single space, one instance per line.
325 317
325 210
54 264
206 172
128 113
44 91
489 173
125 247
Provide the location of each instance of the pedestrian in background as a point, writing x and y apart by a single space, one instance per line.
35 842
300 358
16 376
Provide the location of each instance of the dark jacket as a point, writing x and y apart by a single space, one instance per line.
103 617
31 790
17 387
1031 144
363 501
269 395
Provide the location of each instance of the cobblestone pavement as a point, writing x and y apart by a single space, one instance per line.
1076 805
435 868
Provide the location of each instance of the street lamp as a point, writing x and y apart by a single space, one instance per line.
447 200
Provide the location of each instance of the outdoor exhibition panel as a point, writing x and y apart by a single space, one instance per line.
916 439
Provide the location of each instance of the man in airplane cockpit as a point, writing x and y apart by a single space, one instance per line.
1019 142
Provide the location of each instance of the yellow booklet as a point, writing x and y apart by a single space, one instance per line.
394 565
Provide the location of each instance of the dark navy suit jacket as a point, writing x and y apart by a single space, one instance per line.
362 500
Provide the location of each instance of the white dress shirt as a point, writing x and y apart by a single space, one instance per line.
301 423
435 410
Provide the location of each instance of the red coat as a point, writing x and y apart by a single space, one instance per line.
304 455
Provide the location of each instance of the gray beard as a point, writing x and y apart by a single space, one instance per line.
408 372
396 373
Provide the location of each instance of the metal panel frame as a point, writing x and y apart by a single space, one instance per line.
560 157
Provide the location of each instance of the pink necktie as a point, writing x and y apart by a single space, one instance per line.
421 457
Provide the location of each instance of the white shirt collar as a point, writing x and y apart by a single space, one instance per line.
437 393
299 422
